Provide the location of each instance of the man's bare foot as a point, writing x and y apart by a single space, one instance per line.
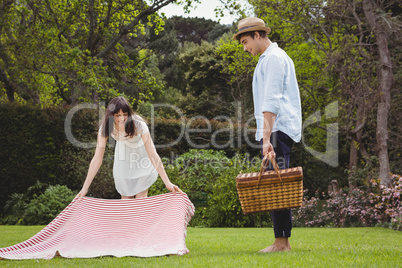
280 244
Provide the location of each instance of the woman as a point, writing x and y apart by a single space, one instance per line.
136 162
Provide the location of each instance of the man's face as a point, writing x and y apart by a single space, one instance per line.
250 44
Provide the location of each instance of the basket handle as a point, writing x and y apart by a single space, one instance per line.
264 164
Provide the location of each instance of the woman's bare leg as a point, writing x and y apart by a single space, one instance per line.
142 194
127 197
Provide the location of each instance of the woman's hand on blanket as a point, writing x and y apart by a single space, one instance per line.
82 193
173 188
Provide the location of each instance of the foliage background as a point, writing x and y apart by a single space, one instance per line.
57 54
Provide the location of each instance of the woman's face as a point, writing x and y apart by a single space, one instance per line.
120 118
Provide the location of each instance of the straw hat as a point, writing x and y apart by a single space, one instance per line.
250 24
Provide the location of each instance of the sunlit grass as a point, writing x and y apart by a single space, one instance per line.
230 247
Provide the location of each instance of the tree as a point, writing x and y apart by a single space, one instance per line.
192 29
237 71
220 77
354 35
378 19
72 50
202 78
167 43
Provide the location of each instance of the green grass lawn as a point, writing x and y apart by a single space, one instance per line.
230 247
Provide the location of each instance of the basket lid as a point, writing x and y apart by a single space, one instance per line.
270 174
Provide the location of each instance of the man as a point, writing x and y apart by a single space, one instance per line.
277 109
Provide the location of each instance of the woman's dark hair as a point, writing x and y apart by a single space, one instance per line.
114 106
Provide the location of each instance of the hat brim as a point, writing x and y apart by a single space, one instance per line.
252 29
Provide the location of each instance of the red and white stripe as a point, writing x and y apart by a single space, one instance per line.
91 227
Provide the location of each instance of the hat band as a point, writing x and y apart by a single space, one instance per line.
247 27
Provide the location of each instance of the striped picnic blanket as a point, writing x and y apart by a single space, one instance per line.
91 227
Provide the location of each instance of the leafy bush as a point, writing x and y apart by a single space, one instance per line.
381 206
387 202
44 208
306 215
16 205
224 208
195 172
14 209
209 179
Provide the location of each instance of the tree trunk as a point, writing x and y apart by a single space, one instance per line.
356 144
7 84
385 78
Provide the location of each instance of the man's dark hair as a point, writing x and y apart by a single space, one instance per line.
263 34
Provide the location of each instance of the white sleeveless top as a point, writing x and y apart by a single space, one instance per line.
133 171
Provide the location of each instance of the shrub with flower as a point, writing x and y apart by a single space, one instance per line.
306 215
378 205
387 202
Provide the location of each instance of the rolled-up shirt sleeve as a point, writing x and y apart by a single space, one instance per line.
274 73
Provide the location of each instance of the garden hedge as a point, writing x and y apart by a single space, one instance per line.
34 146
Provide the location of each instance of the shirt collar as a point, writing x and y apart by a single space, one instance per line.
269 49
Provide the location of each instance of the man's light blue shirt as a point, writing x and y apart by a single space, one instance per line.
275 90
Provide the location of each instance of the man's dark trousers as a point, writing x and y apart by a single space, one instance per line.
282 144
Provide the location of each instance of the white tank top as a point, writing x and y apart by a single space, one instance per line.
133 171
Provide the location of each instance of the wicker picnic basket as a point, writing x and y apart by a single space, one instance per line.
271 190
